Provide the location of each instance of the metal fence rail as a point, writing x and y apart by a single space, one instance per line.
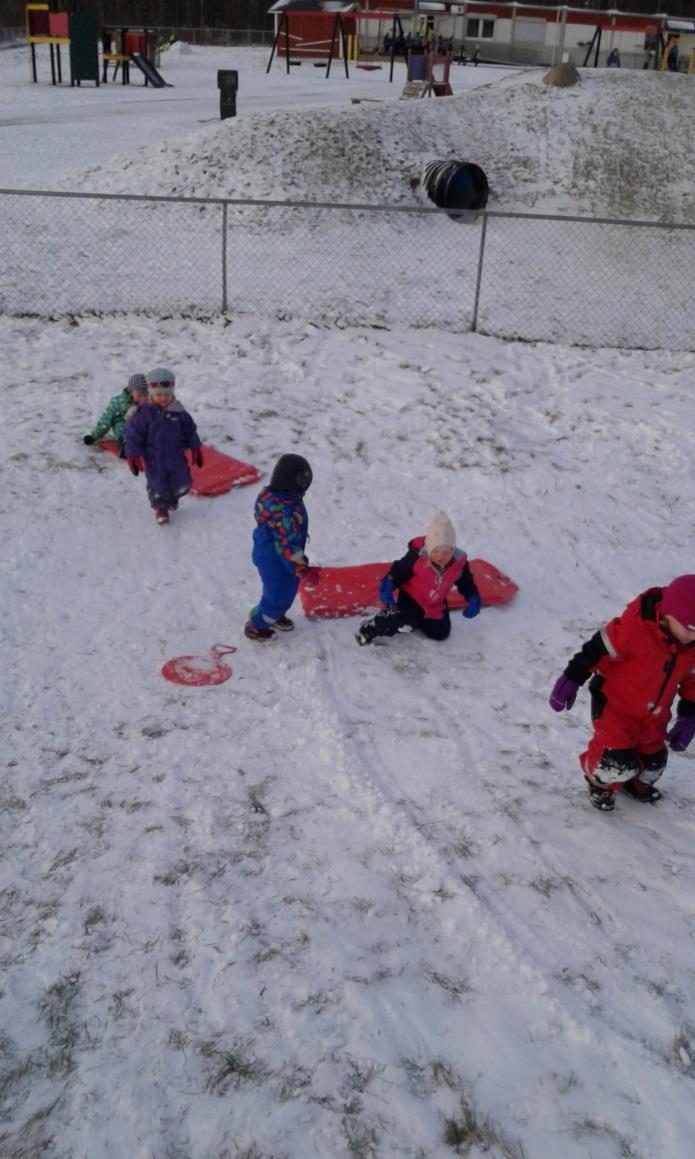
584 281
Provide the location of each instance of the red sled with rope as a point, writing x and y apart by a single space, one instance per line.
219 472
354 591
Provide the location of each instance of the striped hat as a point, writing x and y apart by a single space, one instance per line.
137 382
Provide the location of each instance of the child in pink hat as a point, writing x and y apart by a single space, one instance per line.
424 576
640 661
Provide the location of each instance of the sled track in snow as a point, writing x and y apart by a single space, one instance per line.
577 1008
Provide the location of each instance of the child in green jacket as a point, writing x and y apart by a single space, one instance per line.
119 410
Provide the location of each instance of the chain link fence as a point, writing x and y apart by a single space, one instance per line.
525 276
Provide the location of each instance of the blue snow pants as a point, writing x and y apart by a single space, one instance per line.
279 586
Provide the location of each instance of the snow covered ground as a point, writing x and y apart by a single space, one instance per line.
353 902
112 121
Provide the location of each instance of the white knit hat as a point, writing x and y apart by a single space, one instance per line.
440 533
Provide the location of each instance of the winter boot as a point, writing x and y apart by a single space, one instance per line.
601 798
284 624
253 633
641 791
161 515
366 632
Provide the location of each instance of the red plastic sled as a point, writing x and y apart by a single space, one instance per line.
218 474
354 591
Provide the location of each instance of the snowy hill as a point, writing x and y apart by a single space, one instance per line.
353 902
618 144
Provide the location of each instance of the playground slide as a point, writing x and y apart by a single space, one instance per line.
149 71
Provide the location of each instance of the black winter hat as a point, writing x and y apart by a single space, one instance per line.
291 473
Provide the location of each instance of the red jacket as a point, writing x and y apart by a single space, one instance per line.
428 585
642 666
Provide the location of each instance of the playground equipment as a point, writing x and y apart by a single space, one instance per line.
151 74
76 32
316 8
672 49
393 40
80 34
428 75
594 46
457 186
125 46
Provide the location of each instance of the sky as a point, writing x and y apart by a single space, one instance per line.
352 901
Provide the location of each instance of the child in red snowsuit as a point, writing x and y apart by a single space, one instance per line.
424 576
640 661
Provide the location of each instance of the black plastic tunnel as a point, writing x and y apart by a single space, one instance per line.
456 185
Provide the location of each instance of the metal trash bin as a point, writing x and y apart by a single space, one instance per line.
228 84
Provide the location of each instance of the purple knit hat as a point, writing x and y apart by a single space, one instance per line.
678 600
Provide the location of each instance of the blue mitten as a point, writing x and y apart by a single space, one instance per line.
386 592
474 605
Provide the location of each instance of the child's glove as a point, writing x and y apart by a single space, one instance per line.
88 441
197 457
474 605
311 577
681 734
564 694
386 592
136 465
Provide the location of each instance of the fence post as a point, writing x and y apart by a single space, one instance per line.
224 258
478 279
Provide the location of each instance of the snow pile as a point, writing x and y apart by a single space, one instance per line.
177 48
618 144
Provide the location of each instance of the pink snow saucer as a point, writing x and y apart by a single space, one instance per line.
199 671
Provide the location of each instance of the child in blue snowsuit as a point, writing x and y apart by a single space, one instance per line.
279 539
156 439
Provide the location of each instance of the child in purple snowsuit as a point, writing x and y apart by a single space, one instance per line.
156 439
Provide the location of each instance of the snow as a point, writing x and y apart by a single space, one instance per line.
352 901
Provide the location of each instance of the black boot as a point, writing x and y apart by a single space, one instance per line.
366 632
601 798
383 624
641 791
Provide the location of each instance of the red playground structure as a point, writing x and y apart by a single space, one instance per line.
72 30
80 35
